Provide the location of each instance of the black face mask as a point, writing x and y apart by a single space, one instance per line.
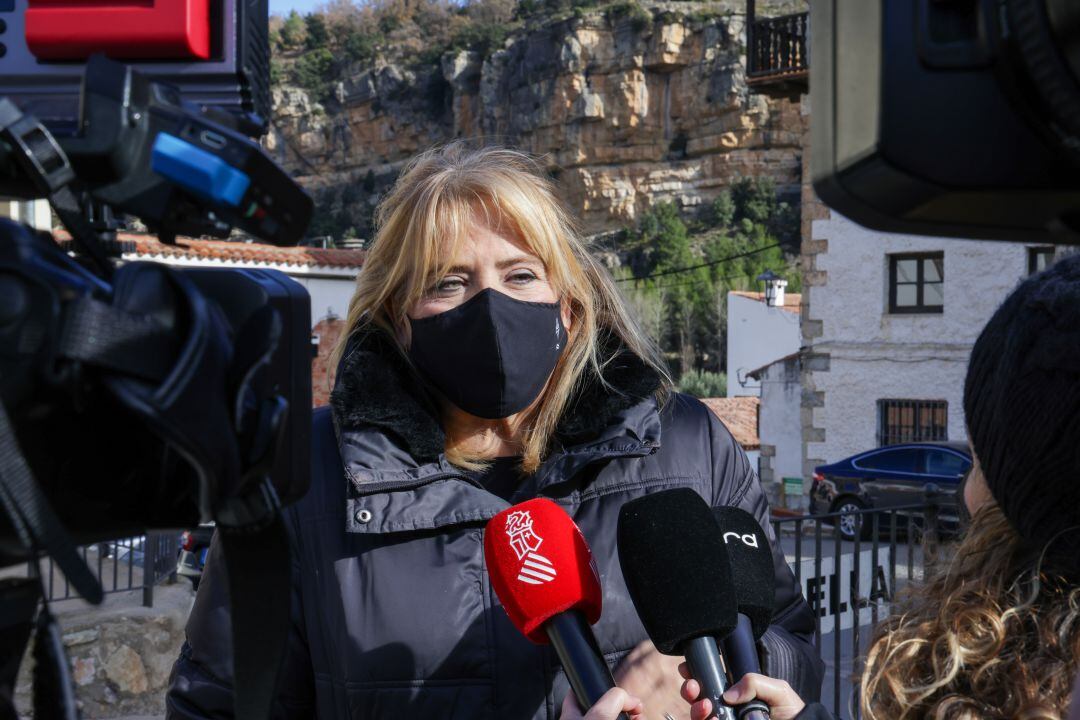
492 355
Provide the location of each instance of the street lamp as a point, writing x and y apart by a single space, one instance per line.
774 288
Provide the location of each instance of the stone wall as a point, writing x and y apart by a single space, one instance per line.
623 113
121 653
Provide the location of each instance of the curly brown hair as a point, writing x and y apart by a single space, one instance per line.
994 632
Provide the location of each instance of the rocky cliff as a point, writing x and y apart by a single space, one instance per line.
628 106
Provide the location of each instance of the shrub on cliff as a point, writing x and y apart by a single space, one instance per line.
703 384
630 10
312 72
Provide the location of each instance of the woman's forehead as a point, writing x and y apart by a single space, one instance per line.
479 242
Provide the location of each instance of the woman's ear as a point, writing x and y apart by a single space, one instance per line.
976 491
566 314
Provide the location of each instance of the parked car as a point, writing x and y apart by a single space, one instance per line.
890 476
191 558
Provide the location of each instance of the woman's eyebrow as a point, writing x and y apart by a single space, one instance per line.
517 260
458 270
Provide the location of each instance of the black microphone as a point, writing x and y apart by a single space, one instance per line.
676 569
751 562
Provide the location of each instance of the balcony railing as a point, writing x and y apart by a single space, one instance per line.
779 47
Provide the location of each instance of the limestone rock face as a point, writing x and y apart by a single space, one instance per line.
625 113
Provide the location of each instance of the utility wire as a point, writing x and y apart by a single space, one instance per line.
675 271
702 281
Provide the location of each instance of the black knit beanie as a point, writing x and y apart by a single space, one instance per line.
1022 403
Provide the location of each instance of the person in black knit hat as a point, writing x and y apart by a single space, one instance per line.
994 631
1022 404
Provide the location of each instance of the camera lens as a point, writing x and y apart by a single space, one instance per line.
1046 43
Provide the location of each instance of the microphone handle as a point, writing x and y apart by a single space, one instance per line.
703 657
740 654
580 656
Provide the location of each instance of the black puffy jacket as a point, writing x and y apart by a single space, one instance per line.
394 615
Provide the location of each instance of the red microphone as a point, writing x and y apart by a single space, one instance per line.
543 573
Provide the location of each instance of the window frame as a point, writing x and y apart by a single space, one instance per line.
1034 251
896 436
887 450
951 453
919 308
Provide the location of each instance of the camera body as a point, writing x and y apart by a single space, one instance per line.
948 118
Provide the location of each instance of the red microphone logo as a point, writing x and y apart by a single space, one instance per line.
540 565
535 568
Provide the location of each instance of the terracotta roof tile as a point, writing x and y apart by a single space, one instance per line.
147 245
792 301
740 416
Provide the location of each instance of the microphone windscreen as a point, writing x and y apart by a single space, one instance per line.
751 565
540 565
676 568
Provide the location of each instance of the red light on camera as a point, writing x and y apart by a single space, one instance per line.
127 29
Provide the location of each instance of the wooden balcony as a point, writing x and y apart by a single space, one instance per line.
778 53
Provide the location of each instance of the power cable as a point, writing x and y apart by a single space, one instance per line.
675 271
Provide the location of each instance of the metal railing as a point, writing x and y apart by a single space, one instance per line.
778 46
123 565
850 584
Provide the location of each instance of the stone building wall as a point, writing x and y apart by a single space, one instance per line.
860 353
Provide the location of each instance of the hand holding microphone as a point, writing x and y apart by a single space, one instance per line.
784 703
542 571
609 705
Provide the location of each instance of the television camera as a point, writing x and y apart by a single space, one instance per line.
958 118
137 395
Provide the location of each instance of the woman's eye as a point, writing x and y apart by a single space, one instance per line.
448 285
522 277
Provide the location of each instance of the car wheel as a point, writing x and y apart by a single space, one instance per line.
854 524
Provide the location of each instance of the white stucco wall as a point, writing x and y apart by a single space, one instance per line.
328 295
779 422
874 355
35 213
757 335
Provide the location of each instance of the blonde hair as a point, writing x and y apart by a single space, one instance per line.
993 633
438 197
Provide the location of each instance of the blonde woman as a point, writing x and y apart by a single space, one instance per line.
995 631
488 360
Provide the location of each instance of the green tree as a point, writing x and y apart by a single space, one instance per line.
317 35
360 46
292 31
312 72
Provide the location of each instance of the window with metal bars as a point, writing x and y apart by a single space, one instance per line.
901 421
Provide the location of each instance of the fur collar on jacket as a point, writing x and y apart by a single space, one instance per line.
376 386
